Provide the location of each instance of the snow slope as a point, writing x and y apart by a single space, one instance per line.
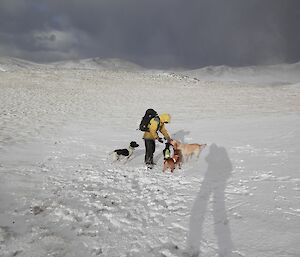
279 74
15 64
61 195
96 63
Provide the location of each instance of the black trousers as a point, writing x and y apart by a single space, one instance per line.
150 149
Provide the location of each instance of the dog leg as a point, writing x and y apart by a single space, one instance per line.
179 165
200 149
186 158
127 159
164 167
115 158
172 167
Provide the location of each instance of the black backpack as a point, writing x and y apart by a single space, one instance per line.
150 113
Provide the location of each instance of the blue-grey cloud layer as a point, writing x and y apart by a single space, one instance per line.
190 33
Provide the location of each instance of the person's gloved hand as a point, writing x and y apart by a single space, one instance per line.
160 140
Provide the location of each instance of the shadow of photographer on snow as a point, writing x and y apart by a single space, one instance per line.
214 183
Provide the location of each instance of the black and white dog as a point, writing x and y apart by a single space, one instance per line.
126 152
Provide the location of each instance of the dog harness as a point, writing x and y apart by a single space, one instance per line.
167 154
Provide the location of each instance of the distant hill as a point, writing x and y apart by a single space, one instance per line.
279 74
272 74
11 64
97 63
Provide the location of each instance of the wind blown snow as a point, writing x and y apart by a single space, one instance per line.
61 195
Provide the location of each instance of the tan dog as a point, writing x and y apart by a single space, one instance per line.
187 150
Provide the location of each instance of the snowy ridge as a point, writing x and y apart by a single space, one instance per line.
97 63
271 75
280 74
14 64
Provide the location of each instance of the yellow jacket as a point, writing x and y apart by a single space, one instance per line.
155 126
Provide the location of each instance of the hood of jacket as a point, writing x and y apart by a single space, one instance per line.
165 118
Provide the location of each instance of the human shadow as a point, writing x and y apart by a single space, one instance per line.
218 172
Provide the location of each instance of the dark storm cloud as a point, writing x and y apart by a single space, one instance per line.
189 33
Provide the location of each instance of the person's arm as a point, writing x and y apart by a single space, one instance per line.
164 131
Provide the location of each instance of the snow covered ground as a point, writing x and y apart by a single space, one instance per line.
60 195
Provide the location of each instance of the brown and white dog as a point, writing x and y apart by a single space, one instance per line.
187 150
171 163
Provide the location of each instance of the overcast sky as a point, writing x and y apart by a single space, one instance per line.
155 33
